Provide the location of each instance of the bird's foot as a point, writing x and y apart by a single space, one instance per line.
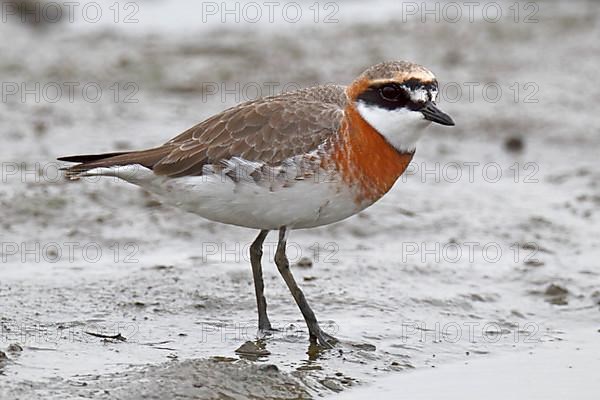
323 339
266 330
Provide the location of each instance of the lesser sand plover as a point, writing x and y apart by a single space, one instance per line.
295 160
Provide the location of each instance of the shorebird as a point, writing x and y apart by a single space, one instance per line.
291 161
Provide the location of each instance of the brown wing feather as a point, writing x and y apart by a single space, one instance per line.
271 129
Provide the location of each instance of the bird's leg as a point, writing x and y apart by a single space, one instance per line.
283 265
255 256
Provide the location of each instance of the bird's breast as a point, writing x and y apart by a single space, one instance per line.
365 160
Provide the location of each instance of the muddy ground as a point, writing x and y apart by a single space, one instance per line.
489 244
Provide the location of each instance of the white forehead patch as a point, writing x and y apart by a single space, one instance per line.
420 95
401 127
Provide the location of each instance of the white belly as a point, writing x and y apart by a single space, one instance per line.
304 204
297 204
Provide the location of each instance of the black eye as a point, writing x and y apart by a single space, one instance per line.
390 92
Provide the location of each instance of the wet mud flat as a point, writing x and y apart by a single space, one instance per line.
190 379
551 371
414 283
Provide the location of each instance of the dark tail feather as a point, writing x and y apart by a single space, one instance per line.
84 158
87 162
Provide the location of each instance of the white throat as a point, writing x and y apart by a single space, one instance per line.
402 128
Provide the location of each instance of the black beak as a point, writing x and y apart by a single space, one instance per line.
434 114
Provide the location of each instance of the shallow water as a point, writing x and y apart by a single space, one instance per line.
481 249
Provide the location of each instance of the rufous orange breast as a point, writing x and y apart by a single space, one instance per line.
365 159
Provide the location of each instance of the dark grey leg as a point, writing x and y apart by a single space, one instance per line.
255 256
283 265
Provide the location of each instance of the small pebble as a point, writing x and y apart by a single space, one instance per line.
14 348
332 384
555 290
534 263
514 144
364 346
304 262
269 368
250 348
